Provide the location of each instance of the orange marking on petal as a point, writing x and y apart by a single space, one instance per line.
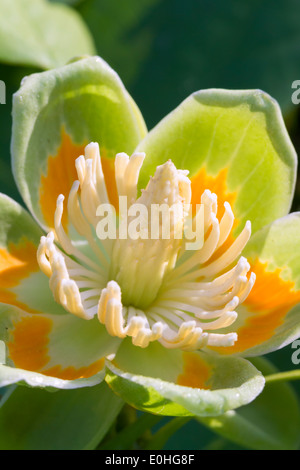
216 184
61 173
268 303
16 263
108 167
195 373
71 373
28 346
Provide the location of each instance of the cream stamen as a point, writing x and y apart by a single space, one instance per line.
151 289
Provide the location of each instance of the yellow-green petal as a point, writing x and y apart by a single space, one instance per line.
176 383
55 115
22 284
234 143
269 319
41 34
60 351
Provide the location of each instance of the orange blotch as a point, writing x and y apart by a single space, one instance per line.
108 167
195 373
72 373
61 173
216 184
268 303
28 346
16 263
29 350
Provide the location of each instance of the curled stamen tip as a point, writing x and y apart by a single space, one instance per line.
206 192
79 160
234 302
158 328
92 151
228 207
122 155
58 261
184 172
188 325
49 240
140 155
232 315
92 145
243 261
75 185
209 196
231 339
50 235
60 199
113 288
248 225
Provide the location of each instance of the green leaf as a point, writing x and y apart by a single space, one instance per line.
234 143
191 46
41 34
32 419
271 422
173 383
111 24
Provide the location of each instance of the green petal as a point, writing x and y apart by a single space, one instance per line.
57 113
269 319
32 419
11 375
233 143
21 282
176 383
39 34
271 422
56 351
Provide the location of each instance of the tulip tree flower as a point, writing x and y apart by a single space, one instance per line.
166 327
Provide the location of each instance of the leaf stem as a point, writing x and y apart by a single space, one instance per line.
283 376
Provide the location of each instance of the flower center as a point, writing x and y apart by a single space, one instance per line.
151 279
140 261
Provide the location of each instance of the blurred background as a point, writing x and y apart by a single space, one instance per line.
163 50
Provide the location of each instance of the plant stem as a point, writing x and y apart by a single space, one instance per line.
160 438
127 437
283 376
